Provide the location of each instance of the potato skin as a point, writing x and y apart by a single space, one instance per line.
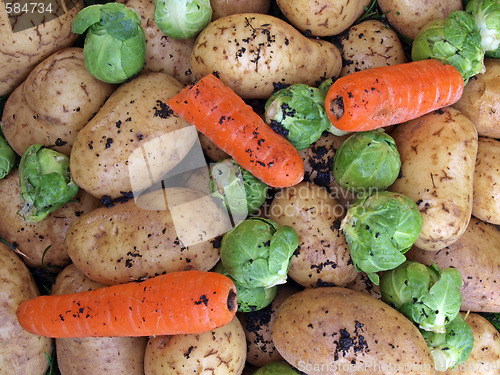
21 51
22 352
476 254
55 101
95 355
485 356
318 166
322 17
480 100
322 257
32 239
438 153
257 326
134 115
486 201
408 17
223 8
370 44
131 242
252 52
163 54
221 351
342 328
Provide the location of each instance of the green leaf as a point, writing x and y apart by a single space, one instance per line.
87 17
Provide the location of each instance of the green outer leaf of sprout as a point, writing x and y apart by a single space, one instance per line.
7 157
182 19
486 13
276 368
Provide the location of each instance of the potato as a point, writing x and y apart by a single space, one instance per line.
485 356
223 8
370 44
408 17
318 166
322 256
480 100
257 326
211 150
39 244
95 355
218 352
322 17
22 352
438 153
24 47
163 53
253 53
133 241
476 254
486 201
57 99
338 330
108 156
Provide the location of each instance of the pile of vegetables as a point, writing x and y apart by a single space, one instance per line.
252 187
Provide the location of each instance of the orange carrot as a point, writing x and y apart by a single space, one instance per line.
389 95
175 303
219 113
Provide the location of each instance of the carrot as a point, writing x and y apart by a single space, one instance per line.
175 303
219 113
389 95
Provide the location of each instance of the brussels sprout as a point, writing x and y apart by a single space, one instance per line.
182 19
298 113
256 253
486 13
452 347
45 181
367 160
115 44
7 157
427 295
249 299
379 228
242 192
276 368
455 40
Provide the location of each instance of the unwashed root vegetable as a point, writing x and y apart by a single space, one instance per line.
181 302
219 113
388 95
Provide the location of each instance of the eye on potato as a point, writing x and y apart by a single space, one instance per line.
55 101
22 50
323 17
252 53
22 352
133 241
476 254
438 153
480 101
95 355
338 330
322 257
218 352
41 244
408 17
370 44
